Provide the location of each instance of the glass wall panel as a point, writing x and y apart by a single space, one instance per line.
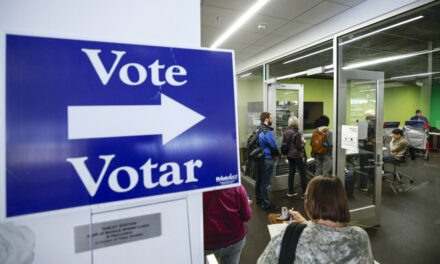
313 68
250 105
407 49
386 72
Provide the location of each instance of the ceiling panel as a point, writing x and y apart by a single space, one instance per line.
271 22
255 48
348 2
218 17
284 19
321 12
292 28
286 9
270 40
234 45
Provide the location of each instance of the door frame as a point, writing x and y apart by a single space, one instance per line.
370 214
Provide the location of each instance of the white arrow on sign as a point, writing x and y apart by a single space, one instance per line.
170 119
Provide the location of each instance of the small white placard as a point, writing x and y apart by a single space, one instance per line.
350 138
276 229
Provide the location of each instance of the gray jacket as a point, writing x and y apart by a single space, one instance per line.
400 146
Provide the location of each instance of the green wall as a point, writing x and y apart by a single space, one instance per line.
248 90
401 103
435 107
317 90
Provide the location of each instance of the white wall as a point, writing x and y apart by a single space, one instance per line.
156 22
362 13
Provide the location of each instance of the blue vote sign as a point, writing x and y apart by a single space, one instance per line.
93 122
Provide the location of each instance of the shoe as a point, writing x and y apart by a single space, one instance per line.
270 207
289 194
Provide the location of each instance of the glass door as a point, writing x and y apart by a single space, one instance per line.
360 142
284 101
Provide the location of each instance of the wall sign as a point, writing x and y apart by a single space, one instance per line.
93 122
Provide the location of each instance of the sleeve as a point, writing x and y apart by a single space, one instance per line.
329 138
396 147
366 254
285 136
245 209
271 140
271 253
299 143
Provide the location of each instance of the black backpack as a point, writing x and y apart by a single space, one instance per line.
256 153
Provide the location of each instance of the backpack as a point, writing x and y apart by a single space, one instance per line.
253 145
318 139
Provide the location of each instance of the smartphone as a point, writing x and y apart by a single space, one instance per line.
249 197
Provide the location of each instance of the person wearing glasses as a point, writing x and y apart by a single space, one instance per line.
326 237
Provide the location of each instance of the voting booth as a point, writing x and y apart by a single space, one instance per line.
111 136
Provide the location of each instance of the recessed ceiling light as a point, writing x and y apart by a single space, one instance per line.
262 26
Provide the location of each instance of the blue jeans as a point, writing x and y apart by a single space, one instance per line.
230 254
263 181
389 158
323 164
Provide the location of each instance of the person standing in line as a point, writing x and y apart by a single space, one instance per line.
295 155
224 214
266 166
322 143
419 117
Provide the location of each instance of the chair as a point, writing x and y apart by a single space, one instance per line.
397 176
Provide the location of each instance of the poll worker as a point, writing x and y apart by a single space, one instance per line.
326 237
224 214
398 147
419 117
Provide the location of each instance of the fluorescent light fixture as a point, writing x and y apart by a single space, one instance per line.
380 30
328 67
246 75
308 55
237 24
387 59
330 71
414 75
293 75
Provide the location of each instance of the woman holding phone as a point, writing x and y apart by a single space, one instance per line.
326 237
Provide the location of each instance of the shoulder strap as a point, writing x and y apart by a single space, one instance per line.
289 243
210 202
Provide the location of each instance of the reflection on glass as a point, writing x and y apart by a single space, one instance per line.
360 112
287 105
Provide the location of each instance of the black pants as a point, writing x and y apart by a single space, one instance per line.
293 164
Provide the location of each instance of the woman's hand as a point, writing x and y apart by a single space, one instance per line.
249 202
297 217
